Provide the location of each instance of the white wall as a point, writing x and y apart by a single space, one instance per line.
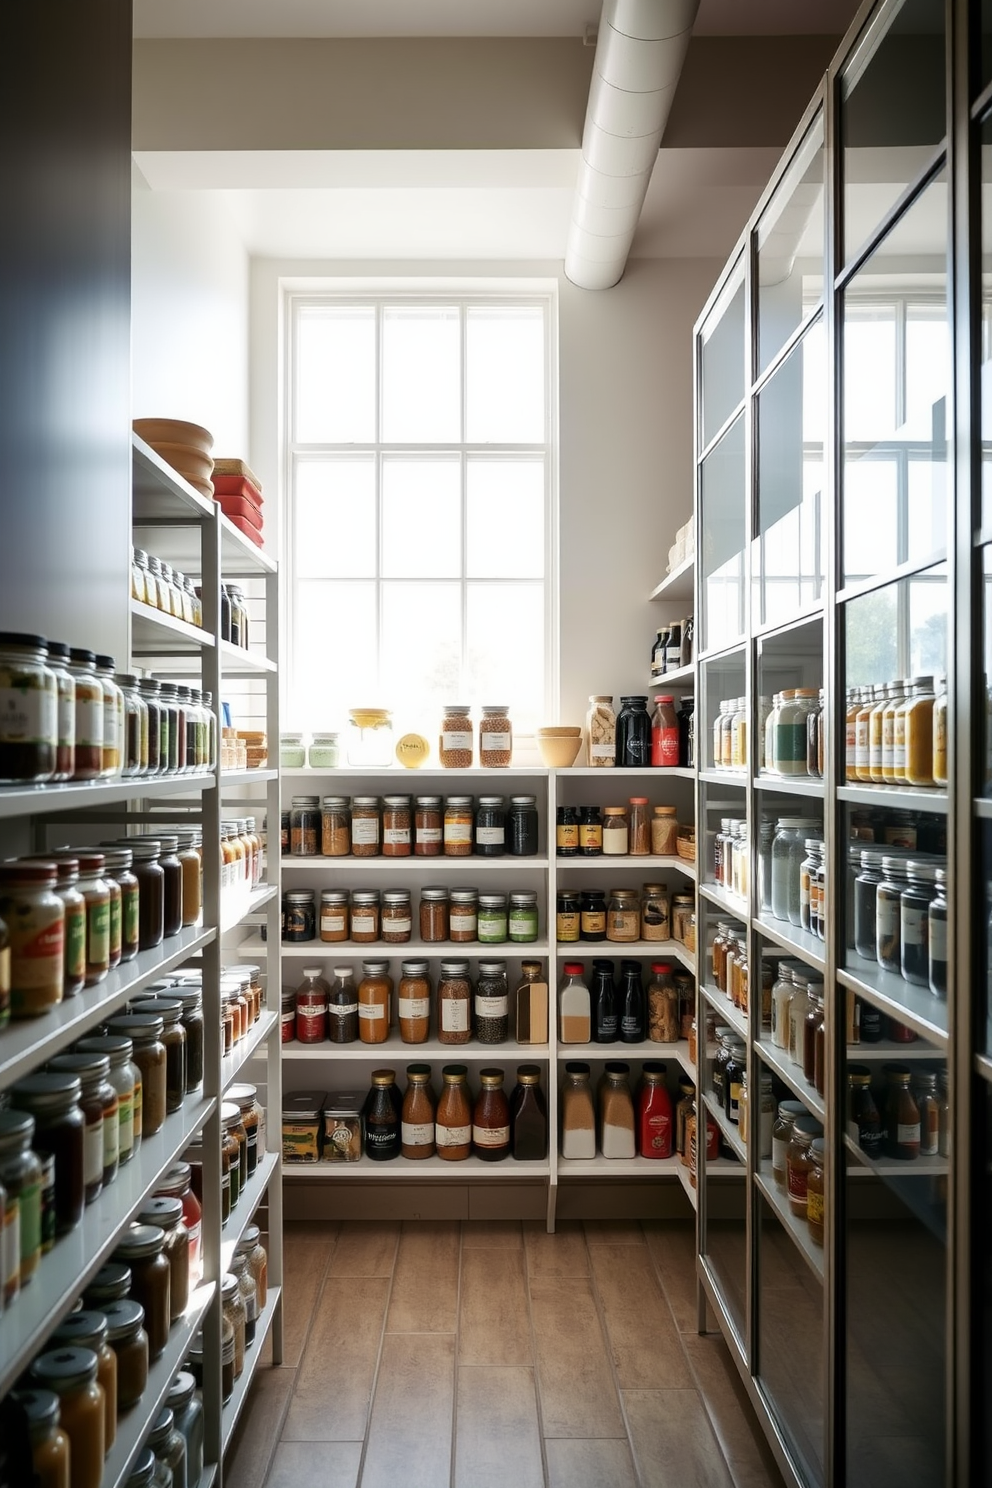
189 321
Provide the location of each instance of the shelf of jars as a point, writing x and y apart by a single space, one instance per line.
625 860
434 867
76 1256
736 778
723 899
725 1010
728 1131
890 1167
662 949
247 1047
46 800
393 1047
914 1006
449 950
679 584
266 1169
899 797
792 1075
75 1016
785 785
422 1167
789 937
231 1412
133 1426
683 676
646 1049
154 633
797 1229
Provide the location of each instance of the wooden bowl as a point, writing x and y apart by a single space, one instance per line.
190 462
156 431
564 731
557 751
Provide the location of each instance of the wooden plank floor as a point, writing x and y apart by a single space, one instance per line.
485 1355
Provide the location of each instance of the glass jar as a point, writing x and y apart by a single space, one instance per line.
129 1341
166 1211
383 1117
187 1411
145 1031
567 917
590 828
798 1163
578 1114
428 827
454 1003
522 924
815 1186
124 906
937 935
601 731
142 1247
333 915
299 917
113 718
493 919
34 916
914 921
574 1005
491 1118
633 733
233 1308
413 1006
592 915
311 1007
664 733
603 1003
417 1114
789 1111
396 828
374 994
616 1113
173 1036
65 686
365 916
325 751
21 1176
655 922
808 915
616 834
89 715
59 1136
455 744
335 827
528 1116
342 1007
663 1006
453 1117
790 833
664 831
49 1443
522 828
397 916
567 832
88 1330
251 1247
492 1003
370 738
490 827
234 1145
305 827
940 731
74 930
888 897
365 827
433 914
655 1134
71 1374
176 1183
249 1293
902 1115
98 1102
495 737
865 890
463 915
623 916
458 827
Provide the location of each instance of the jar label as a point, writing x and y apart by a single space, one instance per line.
417 1133
590 834
125 1123
665 746
93 1151
371 1012
568 924
341 1009
454 1014
780 1147
396 925
567 835
28 715
615 840
89 720
523 925
938 939
491 741
463 920
908 1134
456 739
75 941
491 1007
490 836
887 917
35 955
428 834
814 1206
365 830
491 1136
602 751
914 926
452 1136
332 924
312 1009
396 836
593 922
457 831
414 1007
362 923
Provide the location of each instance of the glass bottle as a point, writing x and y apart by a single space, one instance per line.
417 1114
616 1113
453 1118
491 1118
603 997
631 1003
654 1113
574 1006
578 1118
633 733
342 1007
528 1116
383 1112
902 1115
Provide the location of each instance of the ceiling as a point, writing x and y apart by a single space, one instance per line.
733 115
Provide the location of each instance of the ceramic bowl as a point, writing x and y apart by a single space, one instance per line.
158 431
558 751
189 461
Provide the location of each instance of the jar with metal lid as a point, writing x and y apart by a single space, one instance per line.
59 1134
65 686
453 1117
428 827
454 1003
113 717
888 897
414 1002
166 1211
522 827
253 1119
396 917
49 1443
118 870
191 870
170 1010
176 1183
492 1003
491 1118
35 919
655 912
623 916
148 1054
789 1112
250 1245
790 836
88 1329
342 1007
110 1284
190 999
396 827
335 827
616 836
490 827
311 1007
168 738
495 737
937 935
74 933
374 995
187 1411
455 745
592 915
148 690
21 1176
96 892
798 1162
148 870
169 1446
71 1373
865 891
633 732
365 916
813 860
567 917
99 1104
522 922
433 913
493 920
417 1114
365 827
304 826
458 827
249 1293
88 762
235 1144
914 921
299 916
142 1247
463 914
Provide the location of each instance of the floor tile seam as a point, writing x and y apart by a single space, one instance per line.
712 1421
601 1315
456 1357
538 1401
320 1292
661 1280
378 1364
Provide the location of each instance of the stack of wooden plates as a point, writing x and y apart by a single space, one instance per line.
186 447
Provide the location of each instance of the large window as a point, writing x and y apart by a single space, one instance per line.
420 479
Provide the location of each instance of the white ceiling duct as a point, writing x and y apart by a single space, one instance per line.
639 55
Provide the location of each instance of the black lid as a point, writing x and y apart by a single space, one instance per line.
18 638
77 653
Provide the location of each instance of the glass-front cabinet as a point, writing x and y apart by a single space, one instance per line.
844 808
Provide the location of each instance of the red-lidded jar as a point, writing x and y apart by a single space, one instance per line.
311 1007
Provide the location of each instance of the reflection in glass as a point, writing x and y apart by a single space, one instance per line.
722 528
788 557
790 248
725 1243
791 1341
723 361
896 361
892 116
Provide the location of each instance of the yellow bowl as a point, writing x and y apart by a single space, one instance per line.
563 732
559 752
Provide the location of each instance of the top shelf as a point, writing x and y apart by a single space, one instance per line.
678 584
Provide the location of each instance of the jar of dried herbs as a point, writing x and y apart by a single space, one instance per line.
492 919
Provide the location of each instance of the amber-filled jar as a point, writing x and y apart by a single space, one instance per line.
53 1100
233 1126
414 1002
454 1003
166 1211
89 1330
142 1247
459 824
333 915
365 916
815 1192
311 1007
170 1010
428 827
463 915
374 993
49 1443
798 1162
396 827
417 1121
491 1118
99 1103
145 1032
127 1337
72 1374
397 916
188 857
151 891
453 1117
74 935
434 913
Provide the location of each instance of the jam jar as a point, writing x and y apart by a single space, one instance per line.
49 1443
99 1104
88 1329
145 1032
53 1100
176 1183
129 1341
166 1211
142 1247
35 919
72 1374
173 1036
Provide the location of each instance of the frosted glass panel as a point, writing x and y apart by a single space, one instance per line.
790 248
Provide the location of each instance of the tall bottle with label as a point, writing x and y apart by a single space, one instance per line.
417 1116
383 1116
491 1118
453 1118
603 995
664 732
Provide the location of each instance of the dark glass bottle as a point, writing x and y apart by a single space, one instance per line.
567 832
687 733
634 732
522 827
383 1113
528 1116
603 994
631 1003
225 613
491 1118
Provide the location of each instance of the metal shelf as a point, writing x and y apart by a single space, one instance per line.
578 950
729 902
791 1075
792 938
394 1048
417 1168
236 661
891 1167
47 800
153 633
916 1007
232 1410
736 778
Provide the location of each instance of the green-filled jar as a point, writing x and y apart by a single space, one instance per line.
492 919
523 917
325 752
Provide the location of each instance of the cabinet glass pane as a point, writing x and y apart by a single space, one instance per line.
722 361
983 909
723 531
787 554
790 248
791 735
721 730
892 116
985 384
985 75
791 1331
896 373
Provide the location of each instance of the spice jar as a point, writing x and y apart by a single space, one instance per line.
88 1330
522 827
434 913
491 1118
428 827
664 831
142 1247
299 917
492 1003
789 1112
342 1007
98 1102
134 761
414 1002
74 933
65 685
49 1443
234 1142
590 832
21 1176
397 919
492 926
89 712
902 1115
35 919
122 1076
304 826
623 916
417 1116
798 1163
249 1294
495 737
655 921
463 915
396 834
187 1411
176 1183
458 827
59 1135
567 832
245 1098
335 827
170 1010
233 1307
145 1032
815 1185
333 915
490 827
166 1211
374 992
601 731
592 915
251 1246
454 1001
383 1117
117 869
127 1337
453 1118
522 920
311 1007
615 831
71 1373
567 917
455 745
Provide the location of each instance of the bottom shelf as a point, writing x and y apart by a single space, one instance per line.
404 1167
618 1167
797 1229
134 1426
233 1408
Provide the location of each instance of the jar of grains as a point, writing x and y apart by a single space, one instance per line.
396 833
455 743
433 913
601 731
458 826
428 827
454 1003
414 1002
397 918
374 993
495 738
492 1003
304 826
333 914
335 827
365 826
463 914
365 916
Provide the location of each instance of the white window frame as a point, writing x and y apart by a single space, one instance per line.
380 294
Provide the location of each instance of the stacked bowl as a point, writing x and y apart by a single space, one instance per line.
186 447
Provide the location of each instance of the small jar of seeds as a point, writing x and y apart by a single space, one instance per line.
433 913
492 1003
456 743
463 914
365 827
397 920
495 738
364 916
